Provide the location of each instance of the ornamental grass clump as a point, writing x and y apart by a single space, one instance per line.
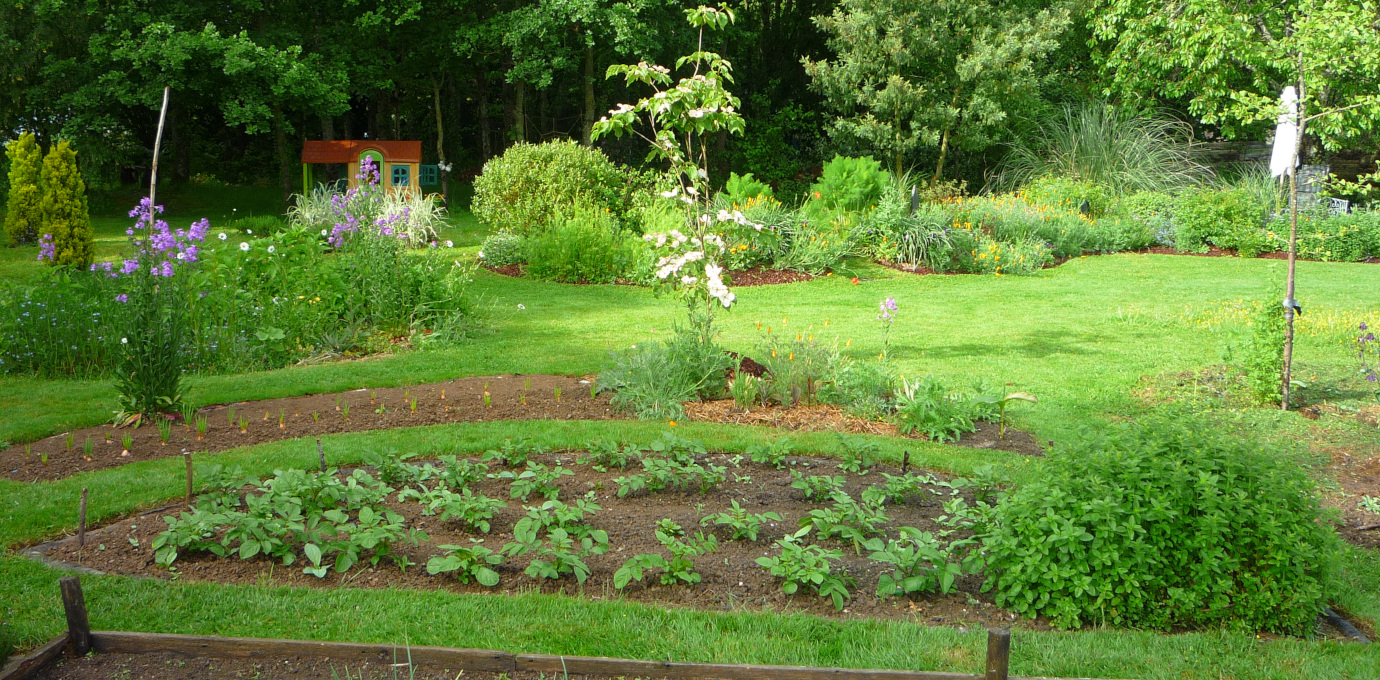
1164 524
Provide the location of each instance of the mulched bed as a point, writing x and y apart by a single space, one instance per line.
826 417
510 397
732 580
163 666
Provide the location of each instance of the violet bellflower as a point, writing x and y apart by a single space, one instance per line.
46 249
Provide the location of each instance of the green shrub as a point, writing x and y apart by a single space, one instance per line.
259 225
1069 195
1153 209
1336 238
23 213
1114 234
864 388
1262 356
653 379
533 185
814 246
1162 525
892 233
65 215
503 248
850 184
740 188
1231 219
587 247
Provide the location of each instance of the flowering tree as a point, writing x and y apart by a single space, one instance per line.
678 121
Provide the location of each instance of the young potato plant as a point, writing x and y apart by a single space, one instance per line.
220 486
605 454
459 473
514 453
394 469
375 531
986 483
537 478
555 535
858 454
679 569
680 449
810 566
745 525
773 453
474 563
471 509
817 487
897 487
922 564
848 520
660 474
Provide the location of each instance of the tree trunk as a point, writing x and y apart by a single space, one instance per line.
587 132
280 146
440 142
1289 302
486 133
520 112
944 141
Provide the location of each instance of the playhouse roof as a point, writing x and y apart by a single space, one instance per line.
348 150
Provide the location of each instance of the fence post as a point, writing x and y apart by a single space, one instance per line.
998 654
74 603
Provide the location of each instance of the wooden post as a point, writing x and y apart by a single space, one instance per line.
187 456
905 461
81 521
74 603
157 146
321 453
998 654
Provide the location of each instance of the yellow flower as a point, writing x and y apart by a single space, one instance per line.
672 423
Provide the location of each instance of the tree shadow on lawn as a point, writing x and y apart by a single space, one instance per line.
1034 345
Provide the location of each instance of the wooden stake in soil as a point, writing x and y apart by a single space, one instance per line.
905 462
74 604
81 521
321 453
186 456
998 654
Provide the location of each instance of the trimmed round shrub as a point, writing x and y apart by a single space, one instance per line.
503 248
1164 524
533 185
1232 219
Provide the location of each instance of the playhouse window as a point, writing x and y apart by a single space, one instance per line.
400 176
427 174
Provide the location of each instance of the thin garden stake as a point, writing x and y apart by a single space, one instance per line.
157 144
321 453
905 461
188 458
81 520
1289 304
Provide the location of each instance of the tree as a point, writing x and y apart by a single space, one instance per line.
931 73
65 215
23 213
1233 61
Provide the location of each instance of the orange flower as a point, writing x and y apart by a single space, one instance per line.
855 280
672 423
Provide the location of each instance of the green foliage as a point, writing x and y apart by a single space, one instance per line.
928 407
797 369
558 540
605 454
515 452
921 563
653 379
1351 237
1095 151
893 233
532 186
864 388
799 564
537 478
814 246
660 474
817 487
473 563
745 525
23 209
1262 355
585 247
771 453
503 248
65 215
1068 195
1231 219
1164 524
740 188
858 454
848 520
679 569
850 184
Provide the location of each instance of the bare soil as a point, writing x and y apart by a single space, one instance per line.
164 666
731 578
511 397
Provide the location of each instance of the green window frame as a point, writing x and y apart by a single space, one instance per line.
429 175
400 176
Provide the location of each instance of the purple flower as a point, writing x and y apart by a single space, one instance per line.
1363 325
122 298
46 249
129 267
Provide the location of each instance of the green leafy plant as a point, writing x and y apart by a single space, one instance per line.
927 407
201 425
848 519
513 453
1165 524
537 478
773 453
921 563
554 534
851 184
817 487
808 565
503 248
460 473
605 454
1002 403
164 429
858 454
127 441
660 474
1231 219
679 569
743 524
472 563
24 211
531 185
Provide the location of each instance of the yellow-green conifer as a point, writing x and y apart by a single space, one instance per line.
65 214
23 212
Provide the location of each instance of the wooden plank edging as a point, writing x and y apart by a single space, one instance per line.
21 667
598 665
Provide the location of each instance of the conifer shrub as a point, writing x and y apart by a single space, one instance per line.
1165 524
23 213
65 214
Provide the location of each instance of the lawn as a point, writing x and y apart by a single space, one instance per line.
1082 337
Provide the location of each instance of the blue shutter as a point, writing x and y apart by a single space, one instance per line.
400 176
429 175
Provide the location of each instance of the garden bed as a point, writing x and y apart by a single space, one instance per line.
756 276
731 577
511 397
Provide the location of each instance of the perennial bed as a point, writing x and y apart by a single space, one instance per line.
755 276
731 577
511 397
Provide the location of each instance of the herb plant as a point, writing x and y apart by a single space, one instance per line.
743 524
679 569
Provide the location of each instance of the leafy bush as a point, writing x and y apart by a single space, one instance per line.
261 225
586 247
850 184
653 379
740 188
1353 237
892 233
1162 525
1231 219
1069 195
798 564
534 185
921 563
928 407
1262 356
866 389
796 369
65 215
503 248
